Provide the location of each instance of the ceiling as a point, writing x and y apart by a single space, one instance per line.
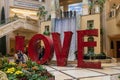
66 2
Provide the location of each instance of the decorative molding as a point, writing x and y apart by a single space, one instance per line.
34 5
6 29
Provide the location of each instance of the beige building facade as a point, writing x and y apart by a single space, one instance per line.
27 10
112 28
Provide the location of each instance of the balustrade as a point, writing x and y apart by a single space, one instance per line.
67 14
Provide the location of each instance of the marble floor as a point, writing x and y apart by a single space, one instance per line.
110 71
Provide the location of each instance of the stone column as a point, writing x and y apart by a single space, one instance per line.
54 7
7 7
8 44
85 7
48 7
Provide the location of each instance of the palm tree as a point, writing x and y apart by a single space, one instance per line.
101 4
41 12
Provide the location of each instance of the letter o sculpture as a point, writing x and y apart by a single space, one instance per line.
32 53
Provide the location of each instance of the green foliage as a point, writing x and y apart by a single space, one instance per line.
29 71
5 63
2 16
101 3
41 12
3 45
37 77
30 63
40 68
91 5
118 76
12 77
92 55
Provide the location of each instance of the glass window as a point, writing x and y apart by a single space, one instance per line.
76 7
90 24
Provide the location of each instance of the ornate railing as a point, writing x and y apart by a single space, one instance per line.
8 20
13 24
114 12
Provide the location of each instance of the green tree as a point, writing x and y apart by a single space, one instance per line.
3 39
41 12
2 16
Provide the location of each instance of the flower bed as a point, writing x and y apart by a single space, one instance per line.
29 71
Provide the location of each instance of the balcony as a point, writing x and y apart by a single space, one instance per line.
114 15
12 24
28 4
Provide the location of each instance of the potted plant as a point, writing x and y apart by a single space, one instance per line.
92 4
41 13
91 7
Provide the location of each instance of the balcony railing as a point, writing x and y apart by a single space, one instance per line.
66 14
114 12
8 20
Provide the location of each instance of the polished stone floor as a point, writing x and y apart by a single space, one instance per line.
110 71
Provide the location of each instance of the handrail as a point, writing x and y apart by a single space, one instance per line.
15 24
8 20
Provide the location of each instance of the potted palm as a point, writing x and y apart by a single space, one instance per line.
92 6
41 13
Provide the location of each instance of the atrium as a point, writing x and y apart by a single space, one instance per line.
60 39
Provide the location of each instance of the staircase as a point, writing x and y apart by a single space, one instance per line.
14 25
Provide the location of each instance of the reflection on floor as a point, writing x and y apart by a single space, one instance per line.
110 71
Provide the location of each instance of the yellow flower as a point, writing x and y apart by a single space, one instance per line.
18 72
11 70
12 63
